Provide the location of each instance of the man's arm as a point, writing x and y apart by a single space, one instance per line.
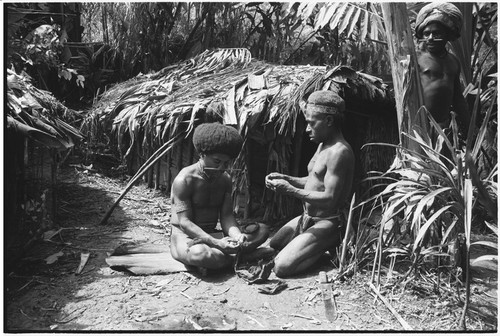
337 169
298 182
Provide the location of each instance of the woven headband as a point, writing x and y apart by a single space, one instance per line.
322 109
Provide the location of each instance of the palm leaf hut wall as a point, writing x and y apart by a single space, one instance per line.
36 134
261 100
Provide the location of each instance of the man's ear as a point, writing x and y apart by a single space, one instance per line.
329 120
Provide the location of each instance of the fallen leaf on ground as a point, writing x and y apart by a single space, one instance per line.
53 258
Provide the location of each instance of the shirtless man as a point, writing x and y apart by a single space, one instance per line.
436 24
201 197
323 192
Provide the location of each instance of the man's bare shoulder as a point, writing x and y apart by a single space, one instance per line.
340 152
186 175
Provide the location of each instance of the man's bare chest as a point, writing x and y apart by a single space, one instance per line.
436 69
317 166
208 194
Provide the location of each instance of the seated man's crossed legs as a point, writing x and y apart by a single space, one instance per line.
202 255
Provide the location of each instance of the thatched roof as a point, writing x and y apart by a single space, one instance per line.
149 108
143 113
37 114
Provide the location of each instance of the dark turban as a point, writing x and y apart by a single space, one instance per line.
217 138
444 13
325 101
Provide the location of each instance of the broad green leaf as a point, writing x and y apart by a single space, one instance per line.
330 14
338 16
319 17
364 25
354 21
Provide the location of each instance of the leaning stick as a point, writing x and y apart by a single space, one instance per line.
347 234
405 324
144 168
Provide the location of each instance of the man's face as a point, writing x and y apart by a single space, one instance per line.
317 126
215 164
436 37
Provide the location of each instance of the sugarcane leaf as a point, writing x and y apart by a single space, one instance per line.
492 227
484 127
485 258
424 229
468 198
428 200
493 245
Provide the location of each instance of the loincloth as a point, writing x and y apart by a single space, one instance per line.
306 221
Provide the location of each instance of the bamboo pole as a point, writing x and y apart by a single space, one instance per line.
160 152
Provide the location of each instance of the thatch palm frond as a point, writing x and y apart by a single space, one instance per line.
37 114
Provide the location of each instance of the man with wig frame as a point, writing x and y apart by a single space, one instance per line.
324 191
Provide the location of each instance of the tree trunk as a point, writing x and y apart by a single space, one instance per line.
104 24
406 79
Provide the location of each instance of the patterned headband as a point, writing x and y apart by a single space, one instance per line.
322 109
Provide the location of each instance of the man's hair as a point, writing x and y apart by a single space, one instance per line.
444 13
214 138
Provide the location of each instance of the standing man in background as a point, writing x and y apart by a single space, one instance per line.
436 24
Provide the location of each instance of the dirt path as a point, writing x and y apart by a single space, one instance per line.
43 297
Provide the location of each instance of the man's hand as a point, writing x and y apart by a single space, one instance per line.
228 245
275 176
279 185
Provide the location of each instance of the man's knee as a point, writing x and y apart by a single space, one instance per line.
198 254
283 268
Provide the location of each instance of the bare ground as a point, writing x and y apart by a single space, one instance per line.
45 297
